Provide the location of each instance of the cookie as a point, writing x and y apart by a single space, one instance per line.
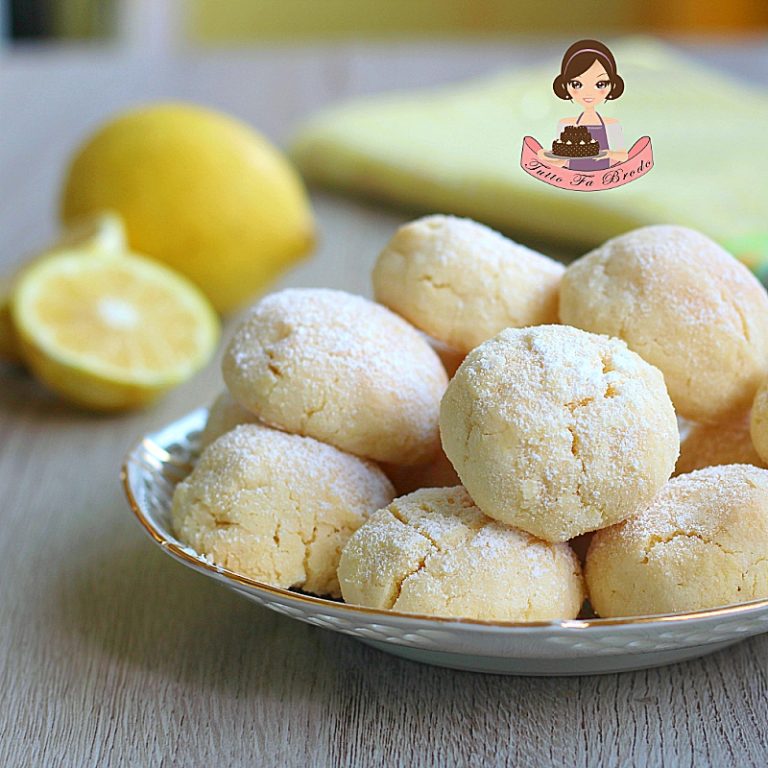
434 552
558 431
277 508
341 369
686 306
461 282
701 543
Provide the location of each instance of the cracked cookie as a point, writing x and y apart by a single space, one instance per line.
275 507
341 369
461 282
558 431
434 552
685 305
701 543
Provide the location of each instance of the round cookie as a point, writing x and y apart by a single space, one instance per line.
686 306
341 369
224 415
558 431
434 552
710 445
758 422
701 543
275 507
462 283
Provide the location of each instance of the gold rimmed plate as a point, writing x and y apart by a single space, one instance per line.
574 647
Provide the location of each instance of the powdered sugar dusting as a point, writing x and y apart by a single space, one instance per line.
559 431
276 507
685 305
699 503
433 551
702 542
461 282
340 368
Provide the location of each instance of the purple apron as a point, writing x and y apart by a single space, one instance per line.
600 135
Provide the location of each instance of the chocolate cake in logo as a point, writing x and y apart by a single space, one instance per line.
575 141
590 154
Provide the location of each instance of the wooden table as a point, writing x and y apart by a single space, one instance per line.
111 654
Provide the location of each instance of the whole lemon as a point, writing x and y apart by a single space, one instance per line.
198 190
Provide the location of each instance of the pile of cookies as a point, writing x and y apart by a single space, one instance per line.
443 449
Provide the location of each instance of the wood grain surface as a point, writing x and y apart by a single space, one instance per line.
112 654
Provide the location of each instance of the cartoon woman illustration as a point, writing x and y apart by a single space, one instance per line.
588 76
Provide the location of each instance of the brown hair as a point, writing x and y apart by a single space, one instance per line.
578 59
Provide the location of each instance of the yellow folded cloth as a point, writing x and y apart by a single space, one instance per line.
457 149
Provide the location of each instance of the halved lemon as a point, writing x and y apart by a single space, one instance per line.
111 333
100 234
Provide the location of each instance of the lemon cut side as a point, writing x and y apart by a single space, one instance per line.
111 334
101 234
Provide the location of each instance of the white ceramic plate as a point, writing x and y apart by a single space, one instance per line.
577 647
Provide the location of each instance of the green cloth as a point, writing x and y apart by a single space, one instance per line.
457 150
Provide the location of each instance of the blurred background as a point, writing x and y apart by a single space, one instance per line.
278 63
237 21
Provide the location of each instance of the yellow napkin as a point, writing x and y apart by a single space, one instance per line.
457 149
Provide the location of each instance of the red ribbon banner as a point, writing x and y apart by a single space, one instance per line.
637 164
